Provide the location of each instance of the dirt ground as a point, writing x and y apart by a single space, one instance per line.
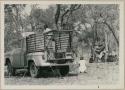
101 73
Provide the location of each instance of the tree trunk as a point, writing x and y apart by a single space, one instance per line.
106 46
57 15
110 28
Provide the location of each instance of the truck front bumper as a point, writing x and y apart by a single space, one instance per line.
54 64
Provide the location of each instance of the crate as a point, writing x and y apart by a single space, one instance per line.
35 42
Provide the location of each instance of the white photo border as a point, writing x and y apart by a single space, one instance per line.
121 48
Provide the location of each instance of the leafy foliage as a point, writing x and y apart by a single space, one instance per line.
91 23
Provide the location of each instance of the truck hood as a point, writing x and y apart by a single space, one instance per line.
8 53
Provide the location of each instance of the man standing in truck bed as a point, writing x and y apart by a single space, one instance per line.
46 29
50 41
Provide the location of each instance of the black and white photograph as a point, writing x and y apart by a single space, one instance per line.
63 44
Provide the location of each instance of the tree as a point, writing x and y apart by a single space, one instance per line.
103 19
39 17
94 23
63 13
13 23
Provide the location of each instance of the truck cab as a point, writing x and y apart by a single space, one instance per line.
16 58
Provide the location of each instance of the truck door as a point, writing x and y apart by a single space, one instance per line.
23 61
16 57
19 54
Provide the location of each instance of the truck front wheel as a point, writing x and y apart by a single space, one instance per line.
64 70
10 69
34 71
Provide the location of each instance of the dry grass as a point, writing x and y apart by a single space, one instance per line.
101 73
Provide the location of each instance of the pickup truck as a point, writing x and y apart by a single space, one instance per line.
43 51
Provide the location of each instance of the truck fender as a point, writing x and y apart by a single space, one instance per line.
36 58
29 61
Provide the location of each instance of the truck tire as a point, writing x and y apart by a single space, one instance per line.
64 70
10 69
34 71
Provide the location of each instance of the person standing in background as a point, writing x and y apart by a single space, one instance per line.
46 29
